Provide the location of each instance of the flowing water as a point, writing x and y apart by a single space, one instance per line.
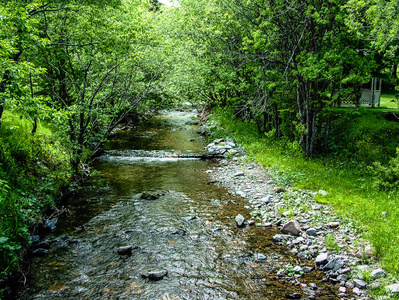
145 196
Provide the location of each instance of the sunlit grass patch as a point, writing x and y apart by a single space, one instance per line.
350 190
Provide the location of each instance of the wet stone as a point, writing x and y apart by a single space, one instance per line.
35 238
126 250
260 256
294 296
50 224
40 252
44 245
149 196
155 275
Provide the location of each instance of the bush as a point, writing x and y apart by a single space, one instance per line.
387 177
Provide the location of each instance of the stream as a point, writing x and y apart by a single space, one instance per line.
177 230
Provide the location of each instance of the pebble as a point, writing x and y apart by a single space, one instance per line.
311 232
298 269
239 174
294 296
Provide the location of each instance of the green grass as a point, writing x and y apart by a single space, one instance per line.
33 167
351 192
387 102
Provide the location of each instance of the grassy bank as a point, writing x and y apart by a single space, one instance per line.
33 168
346 173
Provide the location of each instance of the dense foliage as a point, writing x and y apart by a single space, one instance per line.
72 70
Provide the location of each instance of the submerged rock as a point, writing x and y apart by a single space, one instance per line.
149 196
155 275
125 250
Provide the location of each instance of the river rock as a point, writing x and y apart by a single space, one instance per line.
294 296
378 273
155 275
280 237
358 292
239 173
279 190
240 220
360 283
311 232
260 256
291 227
44 245
125 250
35 238
332 224
298 269
40 252
322 259
268 199
149 196
393 288
335 264
50 224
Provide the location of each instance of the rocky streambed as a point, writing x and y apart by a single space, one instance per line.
163 219
311 231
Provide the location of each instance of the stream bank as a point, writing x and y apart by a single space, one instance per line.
309 230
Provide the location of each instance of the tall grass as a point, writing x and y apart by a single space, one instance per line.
33 167
351 191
